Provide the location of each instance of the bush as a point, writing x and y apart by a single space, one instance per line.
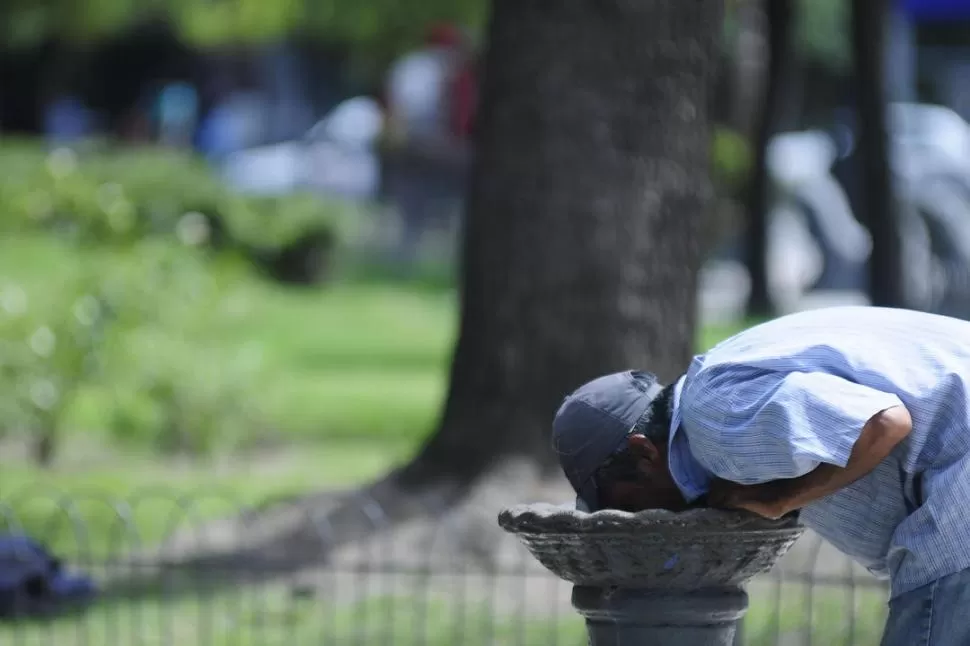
114 340
288 237
177 402
157 389
118 197
49 346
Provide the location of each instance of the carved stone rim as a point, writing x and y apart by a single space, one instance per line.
654 549
548 519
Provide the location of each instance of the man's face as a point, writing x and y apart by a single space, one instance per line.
654 488
635 497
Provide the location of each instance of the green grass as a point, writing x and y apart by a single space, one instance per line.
783 613
270 616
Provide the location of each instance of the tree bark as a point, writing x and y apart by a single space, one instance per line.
748 69
779 16
877 195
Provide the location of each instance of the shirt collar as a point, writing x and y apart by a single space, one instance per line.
691 478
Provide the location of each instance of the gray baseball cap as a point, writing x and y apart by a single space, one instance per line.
593 422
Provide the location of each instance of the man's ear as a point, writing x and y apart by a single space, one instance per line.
643 448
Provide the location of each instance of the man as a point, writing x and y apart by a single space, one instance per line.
425 159
857 417
418 84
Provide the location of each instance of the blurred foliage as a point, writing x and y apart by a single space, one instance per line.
27 22
369 24
150 220
119 329
731 159
822 32
121 196
381 27
48 347
294 216
162 392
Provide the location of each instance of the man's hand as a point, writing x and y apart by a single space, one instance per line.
758 499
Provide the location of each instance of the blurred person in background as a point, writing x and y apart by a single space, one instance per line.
135 123
430 98
67 119
464 95
235 122
176 113
418 95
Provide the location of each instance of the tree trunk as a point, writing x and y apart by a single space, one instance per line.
877 196
748 69
779 16
587 204
582 244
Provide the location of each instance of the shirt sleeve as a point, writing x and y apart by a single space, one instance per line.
780 425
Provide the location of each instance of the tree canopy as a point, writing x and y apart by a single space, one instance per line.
365 23
380 25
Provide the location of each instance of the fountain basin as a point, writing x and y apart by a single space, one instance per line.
700 548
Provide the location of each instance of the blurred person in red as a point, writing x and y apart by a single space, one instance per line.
430 97
426 87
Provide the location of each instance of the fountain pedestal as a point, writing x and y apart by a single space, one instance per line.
654 578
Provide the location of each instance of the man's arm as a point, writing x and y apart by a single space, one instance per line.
790 436
774 499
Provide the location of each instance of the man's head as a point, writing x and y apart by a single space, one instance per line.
611 437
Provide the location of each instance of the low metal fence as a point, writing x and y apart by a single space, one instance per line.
194 571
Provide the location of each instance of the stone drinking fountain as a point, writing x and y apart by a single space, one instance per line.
654 578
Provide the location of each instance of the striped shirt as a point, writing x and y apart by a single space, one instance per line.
783 397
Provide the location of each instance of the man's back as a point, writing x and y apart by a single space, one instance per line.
904 517
858 338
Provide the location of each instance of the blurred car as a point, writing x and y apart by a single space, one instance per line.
337 156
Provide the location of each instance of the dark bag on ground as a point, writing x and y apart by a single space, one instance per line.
34 583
